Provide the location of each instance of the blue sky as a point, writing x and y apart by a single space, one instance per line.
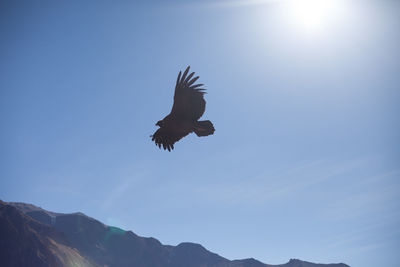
304 162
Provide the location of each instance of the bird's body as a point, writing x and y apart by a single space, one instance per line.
179 126
189 105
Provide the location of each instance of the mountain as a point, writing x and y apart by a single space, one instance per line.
32 236
27 242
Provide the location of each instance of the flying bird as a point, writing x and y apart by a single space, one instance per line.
189 105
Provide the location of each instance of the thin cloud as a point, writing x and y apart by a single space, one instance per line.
382 196
123 186
269 186
357 235
117 192
241 3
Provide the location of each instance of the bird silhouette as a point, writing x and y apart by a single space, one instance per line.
189 105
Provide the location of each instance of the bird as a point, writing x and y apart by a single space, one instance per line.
189 105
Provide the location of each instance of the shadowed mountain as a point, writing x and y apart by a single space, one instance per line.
42 238
27 242
299 263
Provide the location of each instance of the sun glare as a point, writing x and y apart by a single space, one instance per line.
314 16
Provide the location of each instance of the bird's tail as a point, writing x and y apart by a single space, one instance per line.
204 128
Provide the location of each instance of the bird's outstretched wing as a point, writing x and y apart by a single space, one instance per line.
167 138
189 100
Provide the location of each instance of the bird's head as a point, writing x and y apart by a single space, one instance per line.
160 123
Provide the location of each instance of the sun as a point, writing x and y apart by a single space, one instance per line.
314 16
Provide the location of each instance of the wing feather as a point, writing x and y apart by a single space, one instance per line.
166 138
196 85
189 100
179 77
185 73
193 80
188 78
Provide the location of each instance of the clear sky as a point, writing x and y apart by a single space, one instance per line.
304 96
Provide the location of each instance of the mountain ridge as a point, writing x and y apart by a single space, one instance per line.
66 238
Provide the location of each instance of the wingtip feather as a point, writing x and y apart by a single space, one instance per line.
179 77
184 74
188 78
193 80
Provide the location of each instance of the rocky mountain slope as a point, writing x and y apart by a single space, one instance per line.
31 236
